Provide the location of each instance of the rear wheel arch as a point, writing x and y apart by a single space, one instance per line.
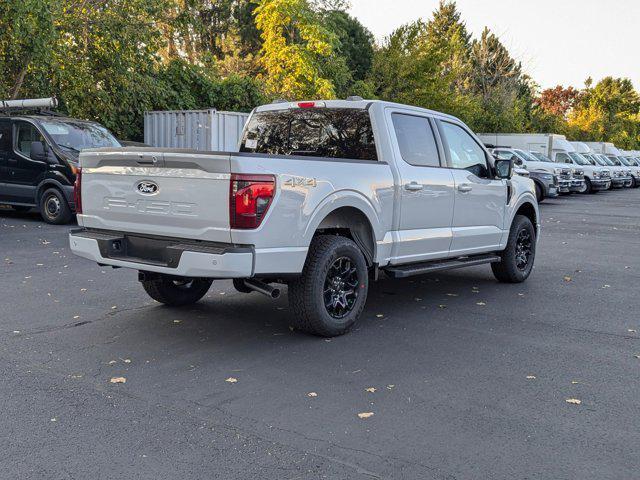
352 223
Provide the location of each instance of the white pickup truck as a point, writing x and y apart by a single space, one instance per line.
321 197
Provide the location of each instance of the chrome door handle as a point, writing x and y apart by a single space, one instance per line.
465 188
413 186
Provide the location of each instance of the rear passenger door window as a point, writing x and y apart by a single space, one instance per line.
465 152
416 140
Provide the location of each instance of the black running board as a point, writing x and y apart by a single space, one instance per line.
409 270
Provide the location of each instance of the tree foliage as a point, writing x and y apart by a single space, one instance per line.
295 45
26 43
111 60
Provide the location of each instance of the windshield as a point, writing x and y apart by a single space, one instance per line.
527 156
76 136
627 161
590 158
578 158
604 160
614 160
541 157
313 132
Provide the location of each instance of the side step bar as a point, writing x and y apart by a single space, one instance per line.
409 270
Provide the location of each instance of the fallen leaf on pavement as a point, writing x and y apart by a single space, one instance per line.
312 394
567 278
118 380
482 304
365 414
389 387
574 401
370 390
531 377
231 380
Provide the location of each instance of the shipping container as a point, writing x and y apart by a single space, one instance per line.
204 130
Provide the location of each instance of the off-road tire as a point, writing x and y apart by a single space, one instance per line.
54 208
307 292
507 271
176 291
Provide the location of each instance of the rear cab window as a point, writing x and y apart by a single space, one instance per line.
338 133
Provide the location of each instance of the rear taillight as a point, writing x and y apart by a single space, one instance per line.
250 197
77 191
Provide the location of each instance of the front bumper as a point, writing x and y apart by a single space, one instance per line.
620 182
600 184
564 186
189 259
578 185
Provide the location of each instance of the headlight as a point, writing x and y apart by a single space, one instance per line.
557 171
578 172
596 174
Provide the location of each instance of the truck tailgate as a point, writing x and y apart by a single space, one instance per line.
160 192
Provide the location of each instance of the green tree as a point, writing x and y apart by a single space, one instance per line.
295 45
354 42
27 38
496 78
408 68
107 59
610 111
449 36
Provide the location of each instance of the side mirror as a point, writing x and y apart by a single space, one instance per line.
517 161
37 151
504 168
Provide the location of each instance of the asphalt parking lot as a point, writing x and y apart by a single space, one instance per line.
471 377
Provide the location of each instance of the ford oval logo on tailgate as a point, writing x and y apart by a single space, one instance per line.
147 188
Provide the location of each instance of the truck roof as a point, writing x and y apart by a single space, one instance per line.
362 104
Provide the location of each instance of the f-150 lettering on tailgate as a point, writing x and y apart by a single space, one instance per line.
153 207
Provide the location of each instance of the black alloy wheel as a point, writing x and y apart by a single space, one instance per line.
341 288
524 249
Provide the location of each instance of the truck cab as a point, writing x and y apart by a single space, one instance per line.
39 161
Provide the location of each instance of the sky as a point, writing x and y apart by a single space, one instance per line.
559 42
